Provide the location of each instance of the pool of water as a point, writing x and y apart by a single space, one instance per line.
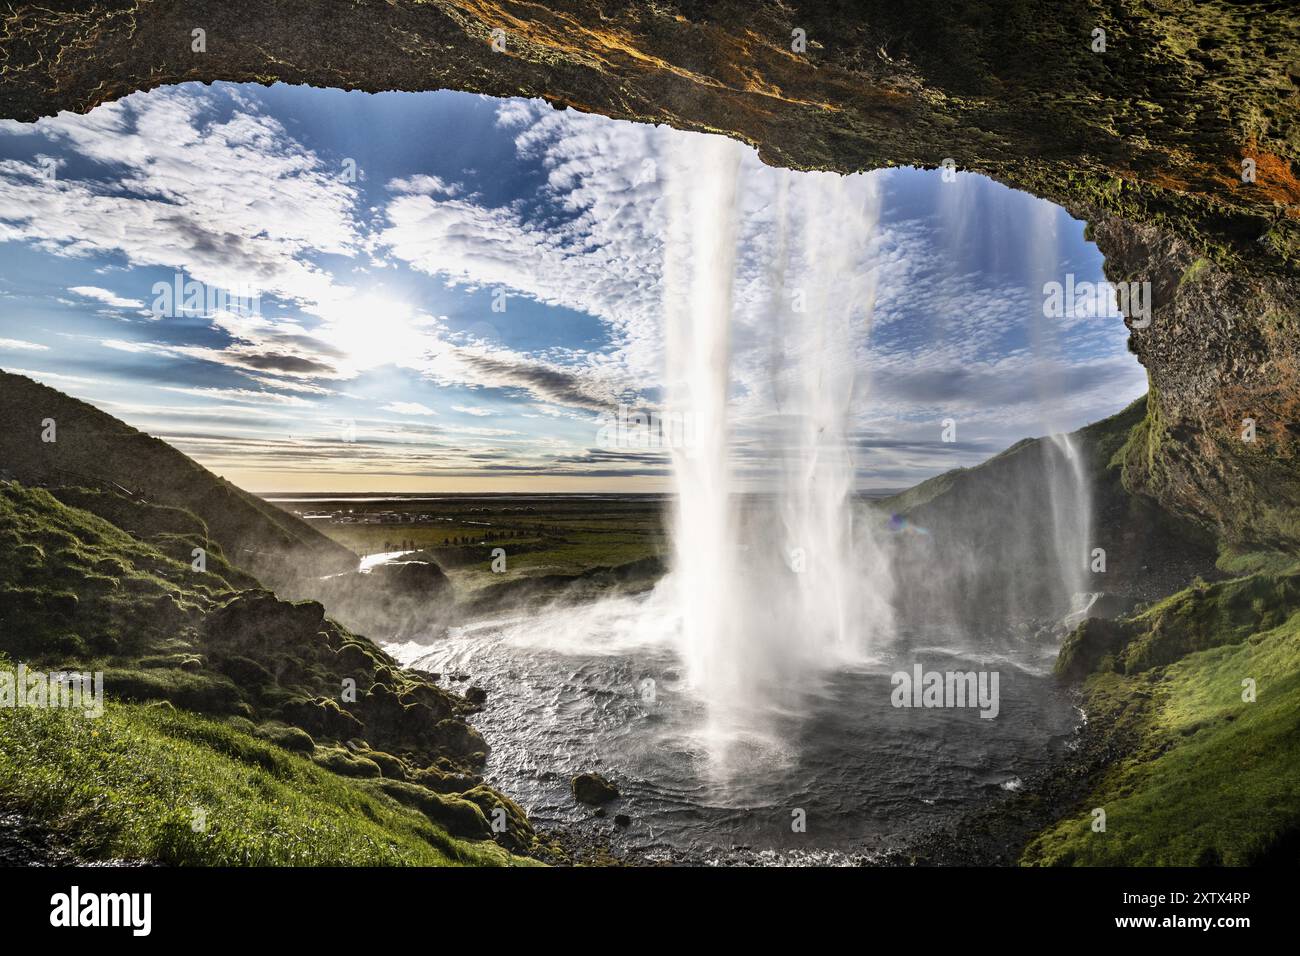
837 769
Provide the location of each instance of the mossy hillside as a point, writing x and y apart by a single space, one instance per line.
991 529
153 783
176 532
1194 619
81 593
76 586
95 450
1209 778
79 590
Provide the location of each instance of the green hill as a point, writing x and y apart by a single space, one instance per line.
988 532
292 738
94 450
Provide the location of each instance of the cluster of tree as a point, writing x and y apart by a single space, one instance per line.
457 540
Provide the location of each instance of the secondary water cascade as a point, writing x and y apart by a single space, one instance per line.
1068 491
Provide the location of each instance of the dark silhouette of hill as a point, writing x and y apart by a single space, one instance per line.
95 450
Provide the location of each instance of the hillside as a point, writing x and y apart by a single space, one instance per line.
92 449
295 740
988 531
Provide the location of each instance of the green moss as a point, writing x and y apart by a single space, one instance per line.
1214 778
207 693
1194 272
1203 616
1237 562
175 788
293 739
1139 456
339 760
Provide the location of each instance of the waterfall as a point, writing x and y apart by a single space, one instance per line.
698 268
1069 494
775 579
1070 497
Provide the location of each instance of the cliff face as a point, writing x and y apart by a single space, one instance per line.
1146 138
1221 439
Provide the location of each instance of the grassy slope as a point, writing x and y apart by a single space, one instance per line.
79 592
136 783
1208 778
95 449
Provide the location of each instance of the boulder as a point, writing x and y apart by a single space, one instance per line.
593 789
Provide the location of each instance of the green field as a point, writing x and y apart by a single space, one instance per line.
540 534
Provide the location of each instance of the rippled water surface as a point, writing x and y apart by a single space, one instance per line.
569 691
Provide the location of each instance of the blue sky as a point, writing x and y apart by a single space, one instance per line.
375 358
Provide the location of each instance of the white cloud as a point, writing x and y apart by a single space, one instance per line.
18 345
423 184
228 201
106 296
240 395
409 408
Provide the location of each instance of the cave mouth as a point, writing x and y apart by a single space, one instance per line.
363 295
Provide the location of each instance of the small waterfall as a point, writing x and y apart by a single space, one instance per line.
1070 496
778 581
1069 493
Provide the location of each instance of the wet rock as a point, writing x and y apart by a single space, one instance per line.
476 696
1093 640
593 789
622 820
1111 606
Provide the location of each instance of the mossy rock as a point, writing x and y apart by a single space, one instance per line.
445 781
345 764
1092 641
507 820
293 739
245 671
321 717
593 789
461 818
394 768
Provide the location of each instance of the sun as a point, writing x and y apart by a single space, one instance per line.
371 329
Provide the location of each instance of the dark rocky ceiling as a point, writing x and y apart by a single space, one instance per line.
1146 139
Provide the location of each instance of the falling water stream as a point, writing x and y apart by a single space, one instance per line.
753 682
778 585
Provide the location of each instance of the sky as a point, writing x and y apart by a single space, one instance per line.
438 292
